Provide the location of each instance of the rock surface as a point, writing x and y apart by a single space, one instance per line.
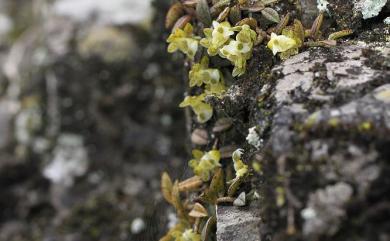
239 223
324 156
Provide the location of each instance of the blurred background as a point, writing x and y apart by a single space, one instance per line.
88 120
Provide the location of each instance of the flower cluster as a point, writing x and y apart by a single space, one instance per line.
240 50
204 163
183 40
218 41
216 37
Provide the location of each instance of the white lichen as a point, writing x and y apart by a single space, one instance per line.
253 138
322 5
70 160
387 21
369 8
137 226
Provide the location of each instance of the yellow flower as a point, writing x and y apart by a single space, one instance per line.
281 43
239 166
216 89
216 37
201 74
202 110
183 40
204 163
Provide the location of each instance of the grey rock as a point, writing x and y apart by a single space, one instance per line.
348 71
325 211
238 223
133 12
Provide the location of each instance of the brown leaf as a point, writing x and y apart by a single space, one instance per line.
235 14
208 228
198 211
223 15
223 123
315 28
249 21
166 187
329 42
173 14
252 6
200 137
216 188
268 2
190 184
189 3
182 21
176 201
299 31
219 6
235 185
282 24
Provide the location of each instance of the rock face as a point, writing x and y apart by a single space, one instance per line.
324 161
234 223
86 120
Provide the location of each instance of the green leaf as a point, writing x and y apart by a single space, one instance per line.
203 12
271 15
